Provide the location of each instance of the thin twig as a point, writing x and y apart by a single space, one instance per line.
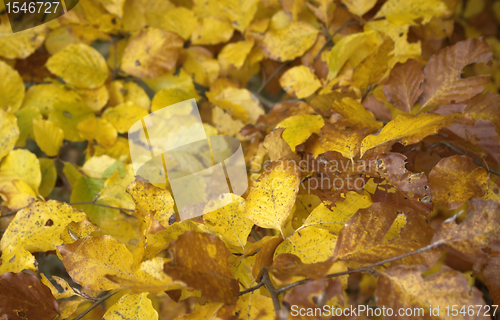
14 211
330 37
99 205
260 284
272 290
274 74
95 304
479 163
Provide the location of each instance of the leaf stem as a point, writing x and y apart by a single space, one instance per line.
260 284
272 290
274 74
95 304
330 37
479 163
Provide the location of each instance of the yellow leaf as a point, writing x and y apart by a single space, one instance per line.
67 116
77 230
399 34
25 118
334 219
16 259
114 190
11 88
16 193
200 63
121 92
151 53
9 133
239 12
125 231
48 136
300 82
169 80
96 99
90 260
179 20
272 196
355 115
173 95
23 165
123 116
359 7
311 245
407 11
233 55
40 225
49 176
298 128
152 200
289 42
118 150
67 290
240 103
95 166
19 45
206 311
99 129
353 48
79 65
333 138
229 221
409 129
114 6
254 305
46 96
212 31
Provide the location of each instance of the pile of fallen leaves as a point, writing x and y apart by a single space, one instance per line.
371 136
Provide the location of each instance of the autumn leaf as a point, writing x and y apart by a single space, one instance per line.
443 83
271 199
132 307
404 86
454 180
24 296
200 260
12 91
300 82
289 42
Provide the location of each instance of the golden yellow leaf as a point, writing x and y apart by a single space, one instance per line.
121 92
40 225
96 99
11 88
97 165
298 128
16 259
212 30
114 6
311 245
151 200
68 115
49 176
337 139
229 221
9 133
25 118
353 48
334 219
407 11
240 103
23 165
123 116
180 20
77 230
67 290
19 45
239 12
409 129
359 7
289 42
46 96
132 307
200 63
151 53
254 306
88 261
355 115
16 193
48 136
206 311
99 129
272 196
300 82
114 190
85 69
233 55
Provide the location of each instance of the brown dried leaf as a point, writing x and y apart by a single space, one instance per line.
404 287
286 266
23 296
491 276
474 238
443 83
200 260
456 179
405 85
265 256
